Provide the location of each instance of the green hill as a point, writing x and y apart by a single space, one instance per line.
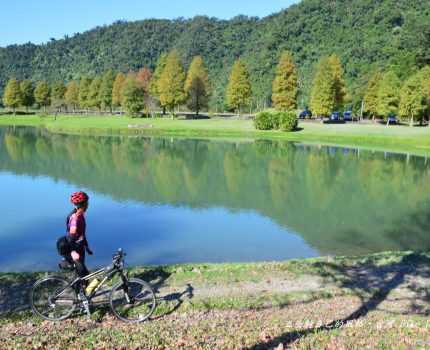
365 33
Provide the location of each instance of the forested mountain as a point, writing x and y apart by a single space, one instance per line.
365 34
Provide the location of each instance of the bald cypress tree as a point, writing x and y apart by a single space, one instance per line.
105 91
413 99
339 83
143 78
118 84
58 89
425 80
371 95
42 94
323 89
388 94
133 96
239 90
94 93
153 86
284 86
171 82
12 97
72 94
197 85
84 91
27 93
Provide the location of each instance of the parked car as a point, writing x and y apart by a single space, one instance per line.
391 119
347 116
335 117
305 114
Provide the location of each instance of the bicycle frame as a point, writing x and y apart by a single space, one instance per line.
105 273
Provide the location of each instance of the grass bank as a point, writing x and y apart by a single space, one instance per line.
415 140
378 301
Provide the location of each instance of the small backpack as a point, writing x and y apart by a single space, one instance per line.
63 246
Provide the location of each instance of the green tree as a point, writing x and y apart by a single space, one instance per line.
239 88
42 94
425 79
106 89
171 82
58 89
197 85
27 93
133 97
371 95
339 83
117 89
12 97
284 86
153 86
413 102
72 94
84 92
94 93
388 94
143 79
323 89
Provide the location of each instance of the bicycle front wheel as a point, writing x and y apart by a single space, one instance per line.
134 302
53 299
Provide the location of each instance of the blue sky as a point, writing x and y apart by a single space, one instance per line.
39 20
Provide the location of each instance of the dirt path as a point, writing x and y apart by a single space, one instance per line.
319 324
374 302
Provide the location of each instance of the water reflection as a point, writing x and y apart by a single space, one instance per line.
338 200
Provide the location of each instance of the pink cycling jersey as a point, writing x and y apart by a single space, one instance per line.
77 221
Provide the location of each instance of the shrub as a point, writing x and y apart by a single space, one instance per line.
275 119
287 121
269 120
264 120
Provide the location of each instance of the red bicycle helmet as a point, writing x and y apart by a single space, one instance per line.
78 198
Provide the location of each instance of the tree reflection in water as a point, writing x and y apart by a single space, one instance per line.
341 201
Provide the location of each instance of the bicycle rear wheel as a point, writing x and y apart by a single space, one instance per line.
134 303
53 299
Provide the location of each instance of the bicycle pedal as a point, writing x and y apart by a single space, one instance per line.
87 308
85 304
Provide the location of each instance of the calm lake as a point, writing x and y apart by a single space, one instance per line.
168 200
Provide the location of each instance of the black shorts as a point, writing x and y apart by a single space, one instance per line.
78 247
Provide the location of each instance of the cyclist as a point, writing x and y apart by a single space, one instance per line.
76 237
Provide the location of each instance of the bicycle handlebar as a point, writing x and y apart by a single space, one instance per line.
119 255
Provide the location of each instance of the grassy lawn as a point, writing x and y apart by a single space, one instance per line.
404 139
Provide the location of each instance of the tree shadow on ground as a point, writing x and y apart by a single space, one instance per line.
166 305
156 277
372 283
14 292
16 113
171 302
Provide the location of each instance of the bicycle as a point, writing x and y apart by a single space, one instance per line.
131 300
